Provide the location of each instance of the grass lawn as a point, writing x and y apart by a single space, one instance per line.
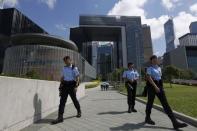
182 98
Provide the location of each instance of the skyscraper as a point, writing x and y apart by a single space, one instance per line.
147 42
169 35
193 27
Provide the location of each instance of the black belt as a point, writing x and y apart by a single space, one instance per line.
68 82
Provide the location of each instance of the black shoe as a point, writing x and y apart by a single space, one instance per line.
78 115
134 110
149 121
58 120
129 110
178 125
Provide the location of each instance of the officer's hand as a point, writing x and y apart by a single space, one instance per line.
77 84
157 90
60 91
131 81
75 89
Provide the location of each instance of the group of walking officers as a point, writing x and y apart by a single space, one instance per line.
70 82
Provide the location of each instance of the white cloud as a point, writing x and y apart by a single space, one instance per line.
193 8
61 27
156 24
128 7
133 8
11 3
182 22
50 3
170 4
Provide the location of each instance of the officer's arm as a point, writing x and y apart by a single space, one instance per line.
76 71
62 79
77 80
137 75
149 78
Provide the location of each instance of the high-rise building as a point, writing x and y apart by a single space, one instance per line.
169 35
189 39
147 43
193 27
14 22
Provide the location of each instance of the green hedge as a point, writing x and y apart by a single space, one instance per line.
92 84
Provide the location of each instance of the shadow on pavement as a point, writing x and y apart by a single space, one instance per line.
48 121
132 126
108 99
112 112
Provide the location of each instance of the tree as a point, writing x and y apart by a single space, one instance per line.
170 72
187 74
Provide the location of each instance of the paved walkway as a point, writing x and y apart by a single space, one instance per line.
105 111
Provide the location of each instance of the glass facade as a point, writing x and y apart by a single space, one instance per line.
192 58
193 27
45 60
169 35
13 22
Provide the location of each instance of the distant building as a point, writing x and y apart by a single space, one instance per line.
147 43
169 35
189 39
105 60
193 27
184 57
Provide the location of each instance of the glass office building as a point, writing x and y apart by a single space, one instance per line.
193 27
169 35
43 54
188 55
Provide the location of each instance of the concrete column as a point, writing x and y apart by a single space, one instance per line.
124 47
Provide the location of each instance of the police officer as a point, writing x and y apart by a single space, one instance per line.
155 87
68 86
131 77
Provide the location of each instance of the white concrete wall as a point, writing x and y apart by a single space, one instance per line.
24 101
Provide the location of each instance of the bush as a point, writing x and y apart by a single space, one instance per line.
172 72
32 74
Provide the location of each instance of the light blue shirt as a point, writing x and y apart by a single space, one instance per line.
129 74
154 72
70 74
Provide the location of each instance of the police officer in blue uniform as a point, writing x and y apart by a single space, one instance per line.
155 87
68 86
131 76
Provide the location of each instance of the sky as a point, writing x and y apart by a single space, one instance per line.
57 16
